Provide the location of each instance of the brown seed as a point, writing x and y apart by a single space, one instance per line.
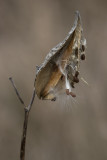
54 99
67 91
83 48
83 57
62 78
75 79
72 84
72 94
76 51
76 74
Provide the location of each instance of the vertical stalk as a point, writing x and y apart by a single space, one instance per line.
23 140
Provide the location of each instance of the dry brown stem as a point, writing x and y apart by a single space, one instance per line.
26 116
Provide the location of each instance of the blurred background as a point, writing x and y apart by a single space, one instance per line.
66 129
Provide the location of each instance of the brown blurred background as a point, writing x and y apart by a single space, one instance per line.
66 129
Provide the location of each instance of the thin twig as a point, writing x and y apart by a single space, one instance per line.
32 100
27 110
17 93
23 139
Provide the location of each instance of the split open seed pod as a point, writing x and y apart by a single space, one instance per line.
58 72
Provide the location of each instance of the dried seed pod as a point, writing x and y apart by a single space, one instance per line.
49 81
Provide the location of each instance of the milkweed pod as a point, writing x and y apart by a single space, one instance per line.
51 77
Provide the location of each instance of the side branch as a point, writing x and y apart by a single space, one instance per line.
26 116
17 93
32 100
